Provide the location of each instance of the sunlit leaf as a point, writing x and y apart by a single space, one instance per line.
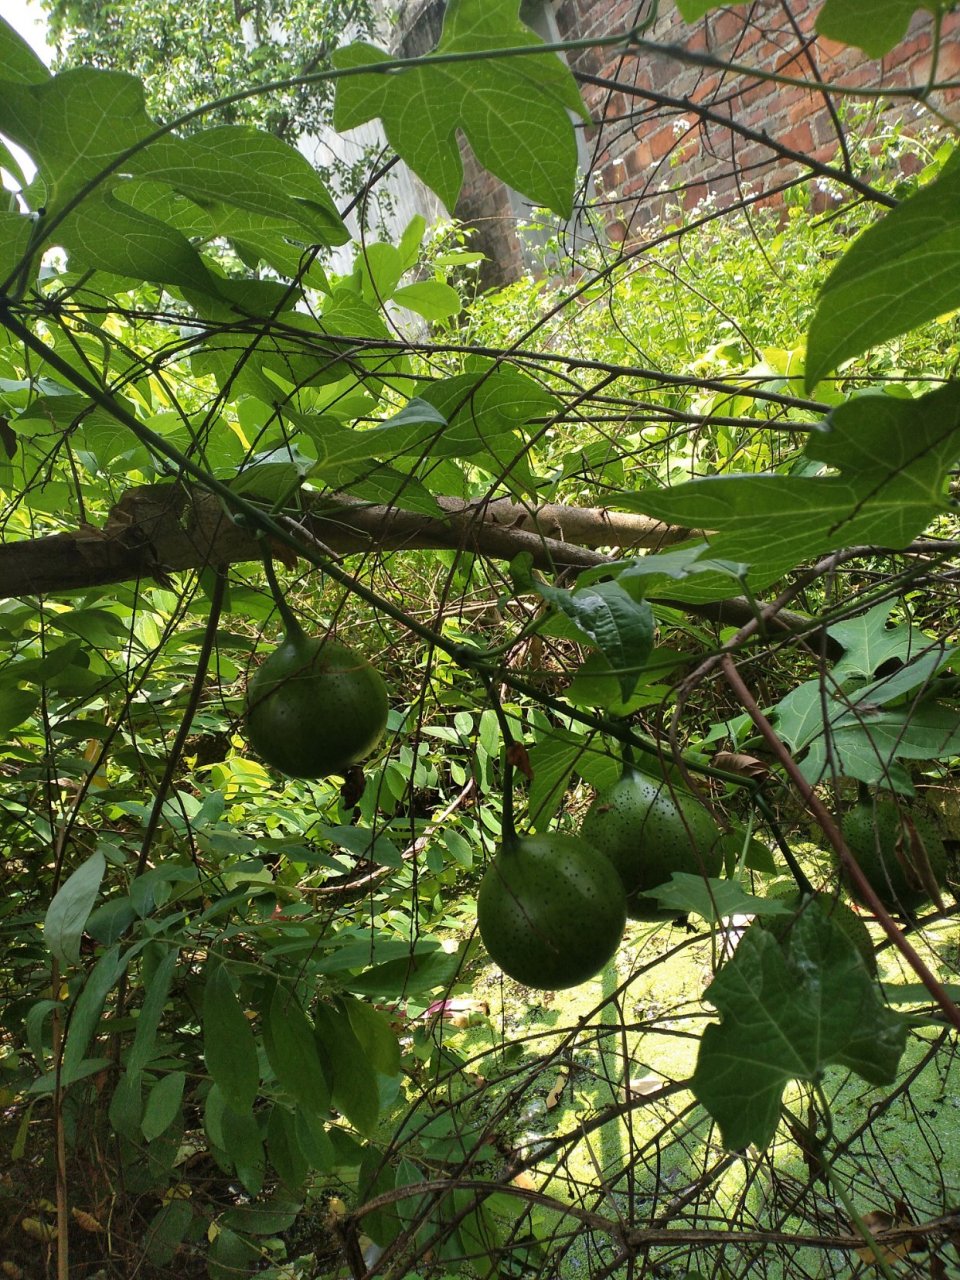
515 112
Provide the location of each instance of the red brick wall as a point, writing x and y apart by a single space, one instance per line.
639 148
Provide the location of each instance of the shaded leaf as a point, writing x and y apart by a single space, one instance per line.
786 1014
228 1043
355 1090
622 628
68 912
163 1105
892 455
292 1052
19 64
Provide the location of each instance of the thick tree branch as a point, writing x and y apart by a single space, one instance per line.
163 528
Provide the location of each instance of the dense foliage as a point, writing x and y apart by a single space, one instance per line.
675 520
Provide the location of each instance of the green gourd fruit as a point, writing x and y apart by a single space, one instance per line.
315 707
899 850
649 830
551 910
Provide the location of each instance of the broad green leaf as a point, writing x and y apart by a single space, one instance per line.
513 111
74 125
355 1090
19 64
874 26
105 234
409 431
292 1052
230 1256
15 231
16 705
228 1044
166 1231
86 1011
713 899
283 1149
866 743
868 642
686 573
786 1014
898 274
68 912
244 1145
691 10
621 627
376 1036
154 1000
893 457
244 168
268 1217
552 761
163 1104
431 299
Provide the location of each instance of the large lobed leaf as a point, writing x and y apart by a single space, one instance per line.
891 458
515 112
788 1012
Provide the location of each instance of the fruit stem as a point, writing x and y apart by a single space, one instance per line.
291 626
508 826
803 884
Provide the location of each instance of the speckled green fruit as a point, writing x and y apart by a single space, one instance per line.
315 707
846 920
885 836
551 911
648 830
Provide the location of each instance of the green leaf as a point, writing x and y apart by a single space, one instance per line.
376 1036
866 744
86 1011
228 1043
691 10
16 705
513 111
284 1149
898 274
230 1256
713 899
431 299
786 1014
19 64
292 1052
105 234
15 231
154 1000
248 169
243 1144
355 1090
68 912
74 125
874 26
621 627
893 457
552 762
868 642
163 1105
